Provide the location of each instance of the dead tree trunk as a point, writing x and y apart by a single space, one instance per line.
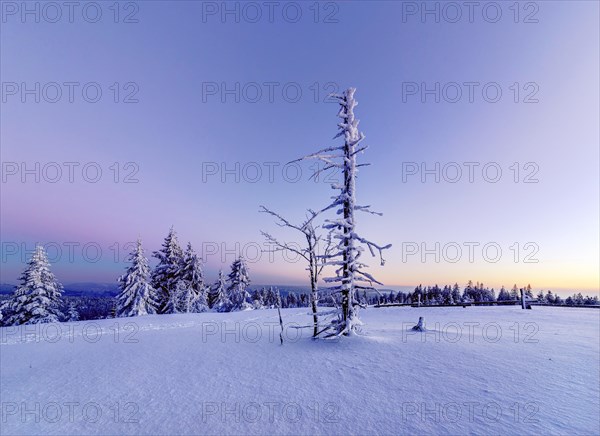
349 274
314 276
280 319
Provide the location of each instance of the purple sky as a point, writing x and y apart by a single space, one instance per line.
179 61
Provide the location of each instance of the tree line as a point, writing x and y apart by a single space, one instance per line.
474 293
175 285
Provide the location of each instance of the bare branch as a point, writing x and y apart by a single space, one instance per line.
281 246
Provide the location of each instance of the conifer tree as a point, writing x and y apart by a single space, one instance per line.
271 298
238 281
220 300
72 314
137 296
514 293
257 300
528 292
173 302
503 295
193 298
168 272
456 293
37 299
4 312
540 296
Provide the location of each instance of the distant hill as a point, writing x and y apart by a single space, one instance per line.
77 289
92 289
5 288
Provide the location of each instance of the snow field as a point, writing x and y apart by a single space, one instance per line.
475 370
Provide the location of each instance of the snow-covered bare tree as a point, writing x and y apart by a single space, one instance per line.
238 280
168 271
137 296
309 252
37 299
350 271
194 298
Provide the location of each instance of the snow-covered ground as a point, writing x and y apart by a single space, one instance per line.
508 371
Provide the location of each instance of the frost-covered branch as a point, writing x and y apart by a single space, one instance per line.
346 251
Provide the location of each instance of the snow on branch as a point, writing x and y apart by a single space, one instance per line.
367 209
349 245
373 246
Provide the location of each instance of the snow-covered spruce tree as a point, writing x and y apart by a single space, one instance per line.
456 293
238 280
168 271
72 314
528 292
503 295
4 312
257 300
219 298
292 300
137 296
270 298
173 303
37 299
200 304
514 293
350 272
193 298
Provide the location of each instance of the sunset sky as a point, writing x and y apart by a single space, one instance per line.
179 61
